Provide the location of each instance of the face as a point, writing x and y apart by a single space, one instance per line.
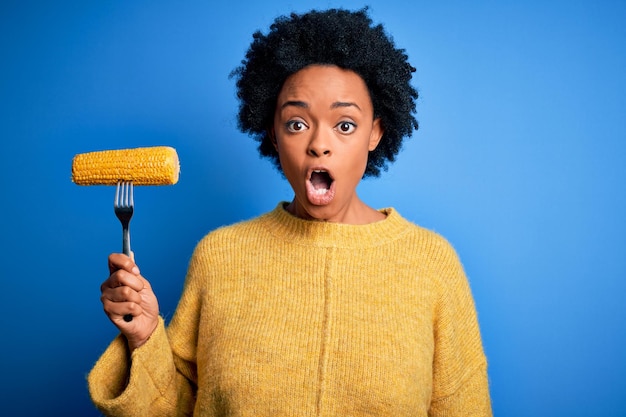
324 128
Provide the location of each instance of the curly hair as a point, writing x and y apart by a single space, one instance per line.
347 39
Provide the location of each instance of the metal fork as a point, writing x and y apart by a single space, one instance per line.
124 207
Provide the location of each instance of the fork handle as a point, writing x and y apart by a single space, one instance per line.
126 250
126 241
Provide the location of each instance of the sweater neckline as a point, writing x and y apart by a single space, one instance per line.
286 226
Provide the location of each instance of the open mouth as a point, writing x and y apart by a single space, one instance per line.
321 181
320 187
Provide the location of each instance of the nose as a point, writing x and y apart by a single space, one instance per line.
319 144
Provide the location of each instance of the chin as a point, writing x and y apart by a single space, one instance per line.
322 213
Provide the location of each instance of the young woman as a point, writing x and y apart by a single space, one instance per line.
324 306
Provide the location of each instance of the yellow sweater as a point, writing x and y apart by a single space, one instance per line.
285 317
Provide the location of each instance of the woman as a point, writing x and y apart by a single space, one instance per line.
325 305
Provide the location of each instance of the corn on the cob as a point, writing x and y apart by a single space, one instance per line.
156 165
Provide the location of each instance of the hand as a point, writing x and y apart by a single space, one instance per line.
127 292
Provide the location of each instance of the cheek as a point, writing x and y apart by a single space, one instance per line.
354 167
361 155
287 160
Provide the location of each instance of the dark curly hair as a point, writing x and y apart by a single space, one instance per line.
347 39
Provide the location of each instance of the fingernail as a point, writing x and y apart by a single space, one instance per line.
135 270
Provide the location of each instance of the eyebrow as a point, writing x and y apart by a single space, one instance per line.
338 104
305 105
295 103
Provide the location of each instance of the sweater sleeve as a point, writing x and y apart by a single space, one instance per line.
145 383
460 383
159 378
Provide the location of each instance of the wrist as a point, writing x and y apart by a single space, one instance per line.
137 342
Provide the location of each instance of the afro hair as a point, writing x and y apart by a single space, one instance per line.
346 39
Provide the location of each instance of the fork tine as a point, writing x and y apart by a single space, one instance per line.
131 202
124 194
116 200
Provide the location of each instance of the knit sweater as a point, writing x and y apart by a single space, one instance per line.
281 316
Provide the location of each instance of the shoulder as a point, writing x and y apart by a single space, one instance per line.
427 240
432 254
224 246
233 234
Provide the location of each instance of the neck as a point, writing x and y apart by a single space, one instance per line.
357 213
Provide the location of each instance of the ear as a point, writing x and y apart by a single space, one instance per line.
376 134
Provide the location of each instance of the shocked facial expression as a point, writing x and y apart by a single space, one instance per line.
324 128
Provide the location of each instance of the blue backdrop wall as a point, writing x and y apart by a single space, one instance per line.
520 161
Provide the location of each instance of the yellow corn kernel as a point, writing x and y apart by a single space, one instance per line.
157 165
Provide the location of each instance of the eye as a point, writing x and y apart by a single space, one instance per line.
346 127
295 126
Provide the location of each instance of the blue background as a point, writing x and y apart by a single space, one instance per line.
520 162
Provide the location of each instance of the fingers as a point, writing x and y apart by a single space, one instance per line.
122 278
119 261
120 292
118 310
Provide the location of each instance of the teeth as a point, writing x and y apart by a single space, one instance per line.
320 191
320 171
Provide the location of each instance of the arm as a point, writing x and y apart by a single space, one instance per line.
460 383
145 382
138 374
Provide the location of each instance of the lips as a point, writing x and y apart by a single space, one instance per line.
320 186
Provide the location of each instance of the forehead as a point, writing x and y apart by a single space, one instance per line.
319 83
